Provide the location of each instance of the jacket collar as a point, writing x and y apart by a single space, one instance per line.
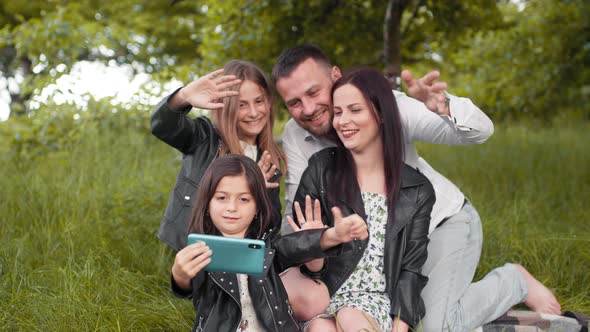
411 177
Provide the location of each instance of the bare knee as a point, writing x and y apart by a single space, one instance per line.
308 298
308 303
322 325
351 319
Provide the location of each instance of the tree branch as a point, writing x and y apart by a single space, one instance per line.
414 14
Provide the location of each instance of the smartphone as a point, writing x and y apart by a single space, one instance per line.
232 255
275 176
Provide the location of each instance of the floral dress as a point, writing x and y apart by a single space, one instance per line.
365 288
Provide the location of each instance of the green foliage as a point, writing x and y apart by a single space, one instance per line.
60 127
534 66
41 41
350 32
512 63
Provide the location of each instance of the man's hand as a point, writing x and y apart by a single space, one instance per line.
206 91
428 91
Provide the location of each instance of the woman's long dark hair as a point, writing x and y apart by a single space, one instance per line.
231 165
378 94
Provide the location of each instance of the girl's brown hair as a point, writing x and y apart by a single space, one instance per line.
226 119
231 165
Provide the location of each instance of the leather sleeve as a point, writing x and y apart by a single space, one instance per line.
406 301
175 129
309 185
276 213
299 247
196 283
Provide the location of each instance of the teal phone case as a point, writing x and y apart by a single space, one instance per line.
232 255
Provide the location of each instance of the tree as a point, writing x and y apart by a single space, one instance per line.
356 32
536 66
41 40
473 40
430 29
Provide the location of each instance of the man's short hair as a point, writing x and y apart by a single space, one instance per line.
293 57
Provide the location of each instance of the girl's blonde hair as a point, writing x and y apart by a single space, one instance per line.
226 119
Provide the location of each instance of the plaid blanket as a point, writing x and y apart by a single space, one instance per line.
529 321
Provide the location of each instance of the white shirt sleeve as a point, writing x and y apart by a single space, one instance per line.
466 125
296 165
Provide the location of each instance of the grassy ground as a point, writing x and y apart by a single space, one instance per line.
531 187
78 246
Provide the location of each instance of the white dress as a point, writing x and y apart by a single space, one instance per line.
249 322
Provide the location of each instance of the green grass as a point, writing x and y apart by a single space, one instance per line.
531 187
78 246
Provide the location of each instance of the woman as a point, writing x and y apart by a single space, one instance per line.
374 284
244 116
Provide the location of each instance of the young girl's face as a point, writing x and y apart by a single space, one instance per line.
232 207
253 111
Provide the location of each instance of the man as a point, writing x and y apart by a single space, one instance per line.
304 76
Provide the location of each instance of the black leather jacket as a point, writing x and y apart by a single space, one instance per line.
216 296
406 239
199 143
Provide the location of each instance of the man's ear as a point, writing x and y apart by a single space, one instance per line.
336 73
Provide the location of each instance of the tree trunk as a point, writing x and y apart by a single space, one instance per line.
392 56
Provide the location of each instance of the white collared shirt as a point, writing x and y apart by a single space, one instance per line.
250 150
467 125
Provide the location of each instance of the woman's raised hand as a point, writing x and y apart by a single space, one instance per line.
188 262
268 170
349 228
345 230
207 91
313 216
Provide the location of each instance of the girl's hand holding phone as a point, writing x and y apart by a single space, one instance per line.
188 262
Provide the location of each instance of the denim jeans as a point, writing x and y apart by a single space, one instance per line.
453 302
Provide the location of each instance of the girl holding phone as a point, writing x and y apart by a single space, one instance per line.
232 201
